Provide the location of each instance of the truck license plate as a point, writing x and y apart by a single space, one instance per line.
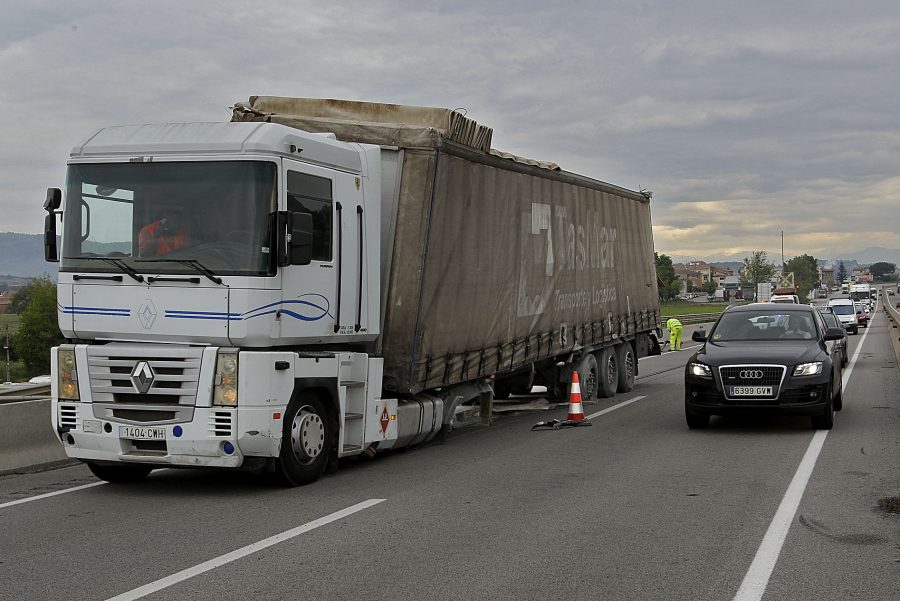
751 391
142 433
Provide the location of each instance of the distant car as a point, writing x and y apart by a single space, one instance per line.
786 367
846 312
862 314
840 346
785 298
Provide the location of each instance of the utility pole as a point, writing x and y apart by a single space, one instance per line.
782 252
8 378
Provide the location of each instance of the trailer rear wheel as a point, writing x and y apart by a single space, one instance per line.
588 377
627 366
609 373
306 441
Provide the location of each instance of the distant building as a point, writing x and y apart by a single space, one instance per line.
720 274
695 272
860 273
5 301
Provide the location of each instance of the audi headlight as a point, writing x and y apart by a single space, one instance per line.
700 370
226 381
808 369
67 374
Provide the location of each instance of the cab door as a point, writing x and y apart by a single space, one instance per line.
319 300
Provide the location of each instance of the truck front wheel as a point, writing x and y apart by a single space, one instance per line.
119 474
306 441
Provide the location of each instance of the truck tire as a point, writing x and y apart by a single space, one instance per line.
588 377
608 379
502 389
306 440
826 420
627 366
696 421
119 474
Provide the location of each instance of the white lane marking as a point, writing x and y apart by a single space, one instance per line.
50 494
614 407
221 560
757 578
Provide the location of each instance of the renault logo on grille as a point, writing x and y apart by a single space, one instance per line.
751 374
142 377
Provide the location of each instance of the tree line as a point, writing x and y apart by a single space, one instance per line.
38 329
758 269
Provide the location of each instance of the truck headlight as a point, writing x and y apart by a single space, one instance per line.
700 370
226 380
808 369
67 376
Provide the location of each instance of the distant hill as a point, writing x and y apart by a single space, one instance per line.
874 254
23 255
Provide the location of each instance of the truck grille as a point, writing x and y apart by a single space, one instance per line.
175 371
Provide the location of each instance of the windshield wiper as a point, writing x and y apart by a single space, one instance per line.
192 263
122 265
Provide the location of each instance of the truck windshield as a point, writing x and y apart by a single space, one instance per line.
217 213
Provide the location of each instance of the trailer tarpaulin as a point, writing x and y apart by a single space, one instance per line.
498 261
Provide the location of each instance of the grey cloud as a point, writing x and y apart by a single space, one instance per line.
768 109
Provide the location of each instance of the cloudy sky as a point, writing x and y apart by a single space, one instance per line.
743 118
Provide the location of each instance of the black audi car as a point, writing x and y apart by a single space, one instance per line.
765 357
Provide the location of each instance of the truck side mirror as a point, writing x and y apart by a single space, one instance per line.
699 336
51 205
295 232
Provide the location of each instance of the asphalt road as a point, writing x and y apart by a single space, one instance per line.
635 507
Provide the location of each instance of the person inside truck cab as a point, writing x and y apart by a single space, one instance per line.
164 235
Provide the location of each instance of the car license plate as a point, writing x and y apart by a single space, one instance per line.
142 433
751 391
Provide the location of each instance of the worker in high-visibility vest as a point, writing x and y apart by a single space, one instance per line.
674 327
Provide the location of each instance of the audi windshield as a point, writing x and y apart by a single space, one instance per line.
764 325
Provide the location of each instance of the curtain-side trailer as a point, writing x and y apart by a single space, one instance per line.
338 278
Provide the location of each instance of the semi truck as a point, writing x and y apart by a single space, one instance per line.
318 279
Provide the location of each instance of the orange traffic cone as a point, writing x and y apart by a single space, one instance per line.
576 413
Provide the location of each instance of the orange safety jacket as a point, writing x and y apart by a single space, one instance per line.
153 242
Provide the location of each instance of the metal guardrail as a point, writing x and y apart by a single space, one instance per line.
893 314
14 394
889 307
695 318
